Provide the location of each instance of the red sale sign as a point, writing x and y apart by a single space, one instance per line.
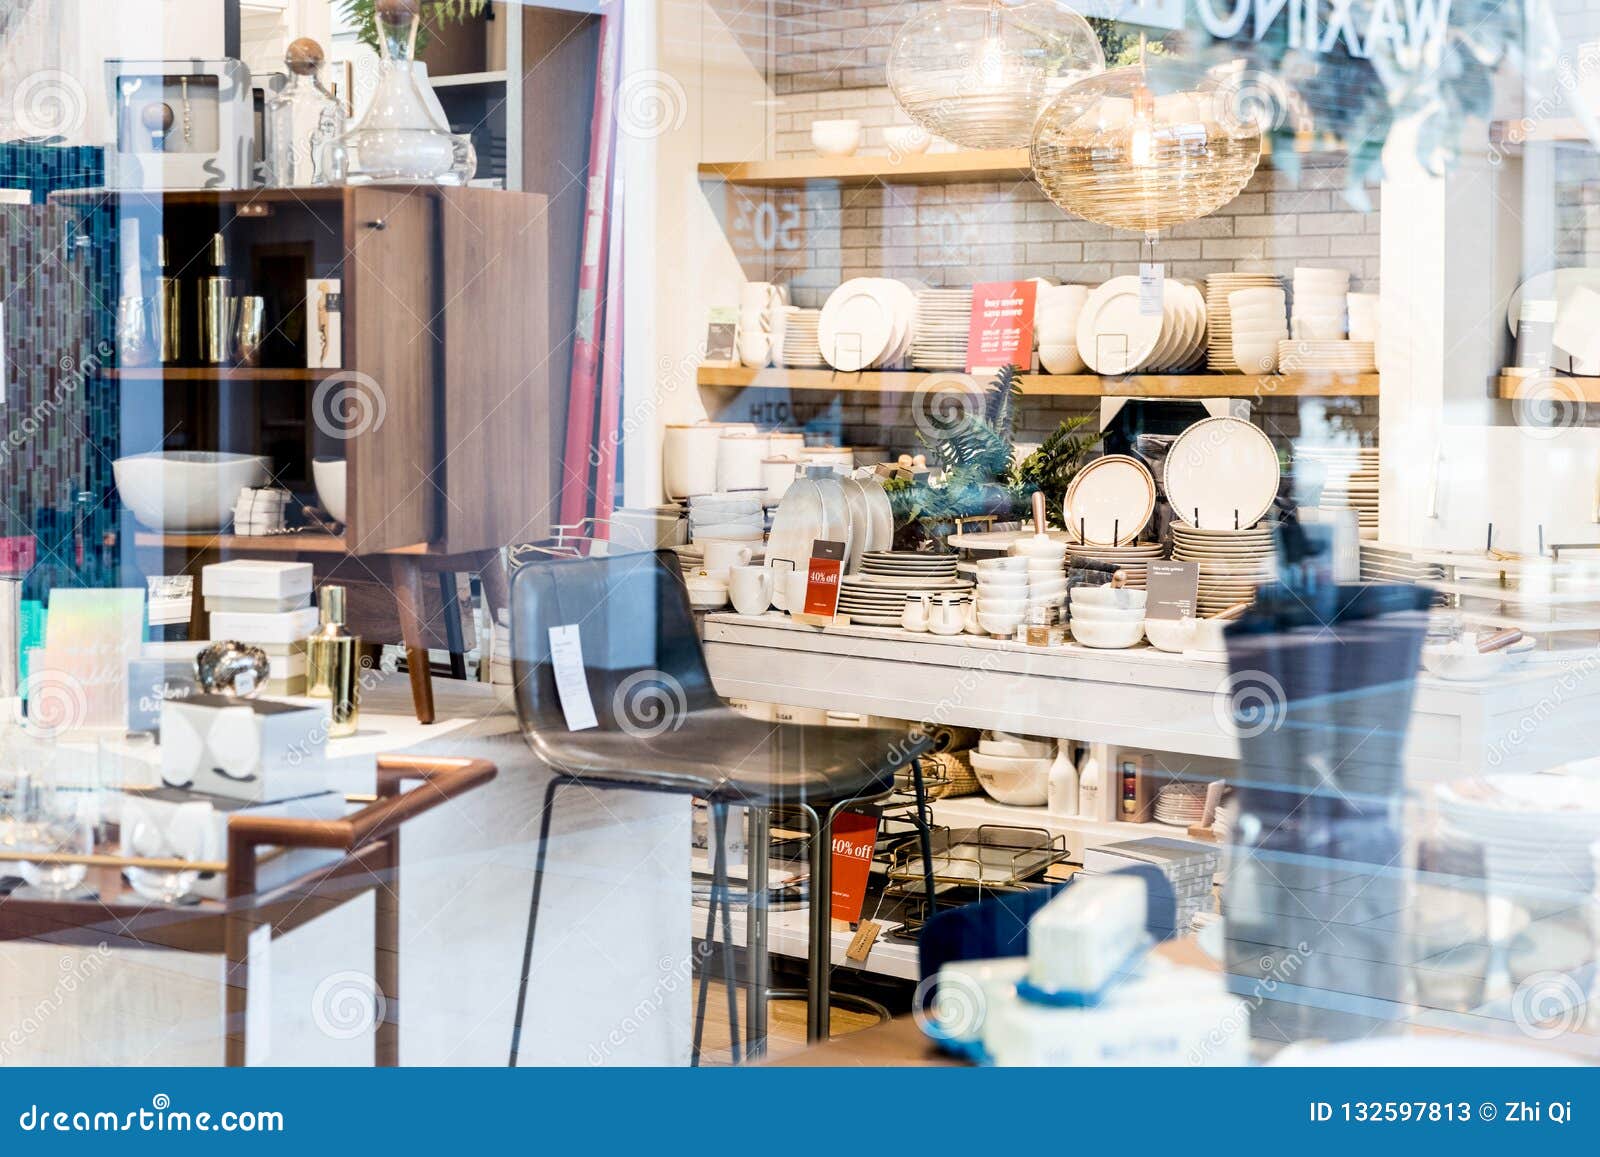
1001 331
855 835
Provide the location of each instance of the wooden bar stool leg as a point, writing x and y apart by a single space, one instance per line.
407 580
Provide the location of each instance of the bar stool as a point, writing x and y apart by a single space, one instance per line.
662 728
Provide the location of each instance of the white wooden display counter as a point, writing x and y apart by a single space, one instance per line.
1533 719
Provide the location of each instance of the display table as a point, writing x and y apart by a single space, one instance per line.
1137 698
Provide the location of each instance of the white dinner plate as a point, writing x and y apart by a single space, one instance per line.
1110 500
856 328
1113 336
1220 470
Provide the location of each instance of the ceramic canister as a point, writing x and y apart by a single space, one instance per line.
689 459
777 474
739 458
788 444
839 457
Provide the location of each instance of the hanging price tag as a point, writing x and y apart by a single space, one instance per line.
572 683
860 946
1152 282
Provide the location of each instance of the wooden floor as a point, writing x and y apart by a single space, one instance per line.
786 1022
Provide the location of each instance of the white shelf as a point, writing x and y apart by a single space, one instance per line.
787 933
969 811
469 79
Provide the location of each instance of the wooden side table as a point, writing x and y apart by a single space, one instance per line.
369 845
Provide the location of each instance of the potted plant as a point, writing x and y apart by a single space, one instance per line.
453 38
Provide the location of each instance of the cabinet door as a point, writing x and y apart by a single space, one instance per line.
498 435
384 405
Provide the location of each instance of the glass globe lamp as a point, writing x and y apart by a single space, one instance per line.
977 72
1143 148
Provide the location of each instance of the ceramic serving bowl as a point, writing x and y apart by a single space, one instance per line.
1465 665
1091 614
1003 579
1039 546
186 489
839 138
1106 635
907 140
1019 782
328 474
1016 746
994 624
1123 598
1170 634
1005 564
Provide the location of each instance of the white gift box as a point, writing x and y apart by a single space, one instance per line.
245 578
269 627
249 749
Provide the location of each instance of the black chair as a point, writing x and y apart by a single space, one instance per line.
663 728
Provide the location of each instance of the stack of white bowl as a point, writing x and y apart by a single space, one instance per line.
734 515
1107 617
1319 304
1363 311
795 341
760 305
1537 831
1258 325
1046 569
1219 321
1002 594
1013 769
1055 320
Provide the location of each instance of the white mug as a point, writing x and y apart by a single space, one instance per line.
751 588
795 590
914 616
723 554
947 617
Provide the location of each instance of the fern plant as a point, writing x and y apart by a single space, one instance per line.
1053 465
361 14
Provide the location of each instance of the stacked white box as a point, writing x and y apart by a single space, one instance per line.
268 605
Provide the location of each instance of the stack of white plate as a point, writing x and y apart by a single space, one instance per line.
1396 565
1115 336
1351 481
731 514
1342 463
944 318
1055 325
1303 355
898 564
1219 320
876 599
1538 831
867 323
1319 304
1259 327
1181 803
1221 474
1232 563
259 510
1133 559
794 338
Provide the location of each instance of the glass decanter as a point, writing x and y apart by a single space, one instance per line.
304 123
401 137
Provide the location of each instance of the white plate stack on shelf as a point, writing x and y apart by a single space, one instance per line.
1259 328
260 510
1318 331
794 340
761 303
877 595
1181 803
868 323
1219 320
1055 325
268 605
1232 562
1351 482
1393 564
1538 831
939 338
1115 336
1132 560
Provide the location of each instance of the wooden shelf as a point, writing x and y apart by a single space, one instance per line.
468 79
1533 130
217 374
929 168
1056 385
1548 387
309 196
310 542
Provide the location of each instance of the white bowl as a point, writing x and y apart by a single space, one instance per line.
1123 598
907 140
998 624
1060 358
1208 635
1007 607
1052 589
1009 580
1111 636
186 489
836 138
1170 634
1016 746
1447 662
329 476
1094 614
1019 782
1009 563
1035 547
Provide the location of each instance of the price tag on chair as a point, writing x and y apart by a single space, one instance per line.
572 682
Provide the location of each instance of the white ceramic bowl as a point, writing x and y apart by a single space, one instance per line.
1060 358
1051 589
1016 746
1002 580
1123 598
1470 666
836 138
329 476
1035 547
1169 634
998 624
1094 614
1208 635
1019 782
907 140
1005 563
186 489
1007 607
1111 636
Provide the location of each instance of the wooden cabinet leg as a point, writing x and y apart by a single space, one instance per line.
496 586
407 579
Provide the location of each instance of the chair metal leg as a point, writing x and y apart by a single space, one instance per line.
533 913
924 831
705 958
819 947
758 966
730 972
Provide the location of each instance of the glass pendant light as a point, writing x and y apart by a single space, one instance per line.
1145 147
977 72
